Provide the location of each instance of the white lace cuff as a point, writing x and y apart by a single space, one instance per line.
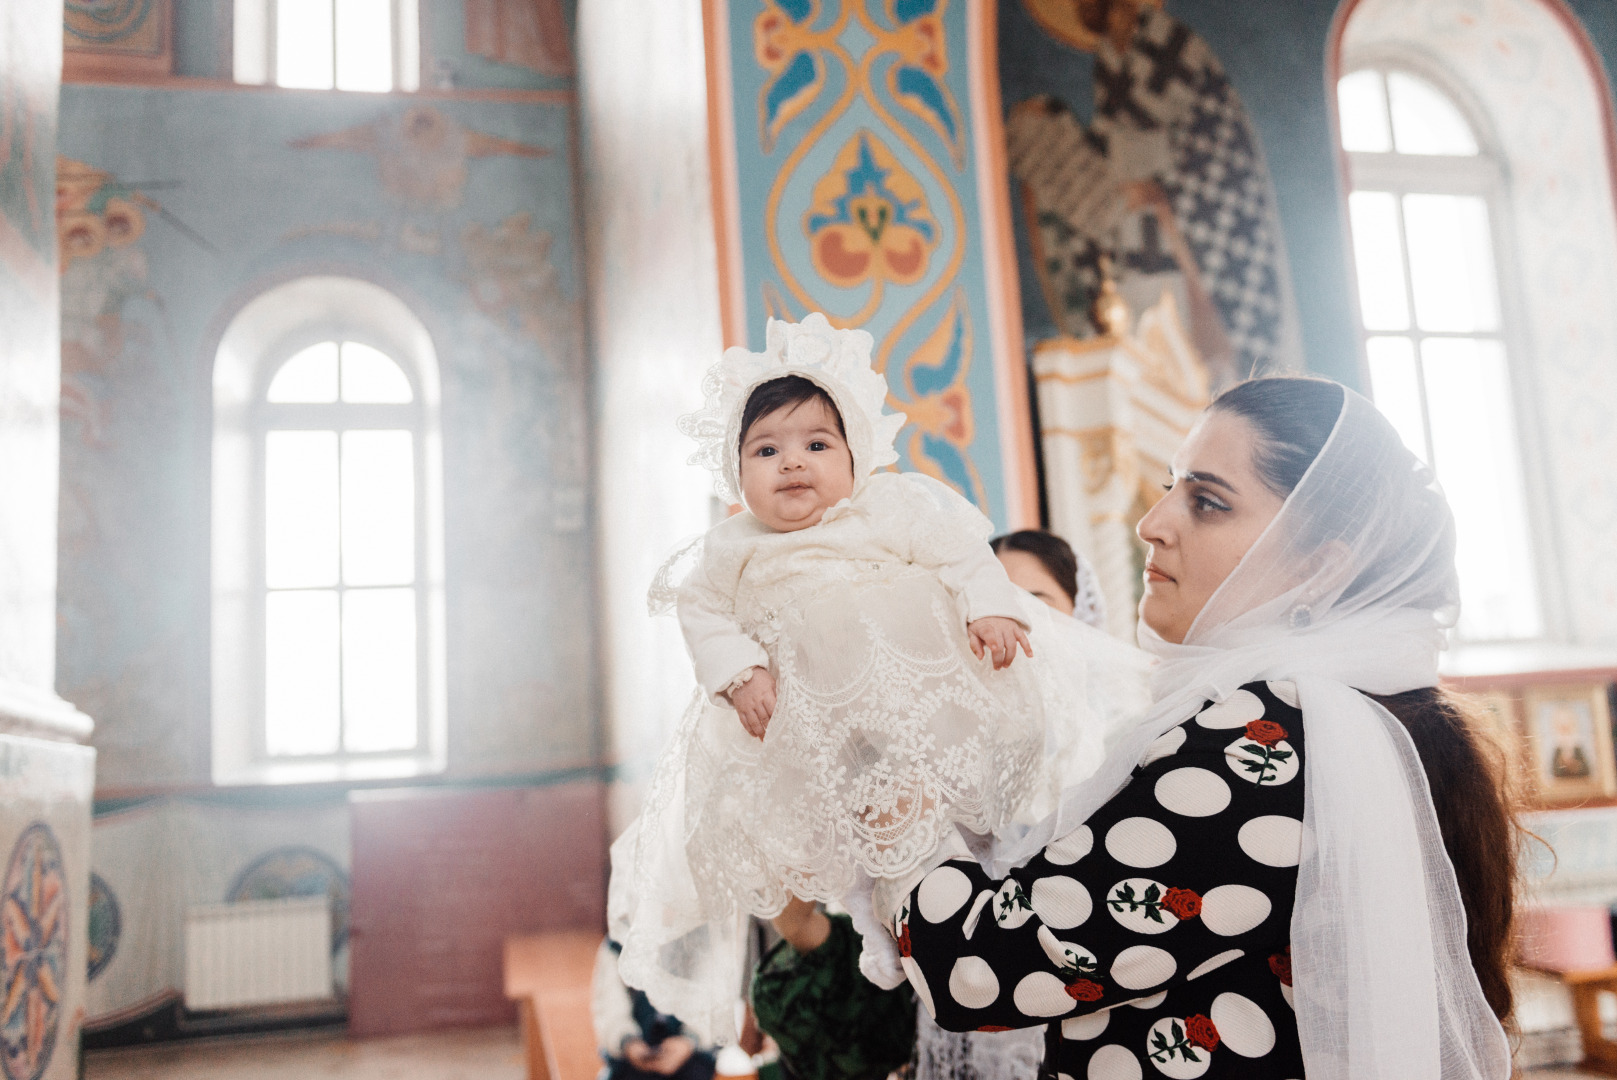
738 682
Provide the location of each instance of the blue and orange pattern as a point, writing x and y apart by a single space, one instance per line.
859 197
33 977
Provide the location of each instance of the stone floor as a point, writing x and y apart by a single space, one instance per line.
486 1054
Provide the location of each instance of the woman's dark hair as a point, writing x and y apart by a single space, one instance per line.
1293 417
1472 785
1053 553
788 391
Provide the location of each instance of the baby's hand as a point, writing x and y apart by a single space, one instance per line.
755 701
998 636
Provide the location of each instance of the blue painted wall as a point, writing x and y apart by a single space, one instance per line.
485 257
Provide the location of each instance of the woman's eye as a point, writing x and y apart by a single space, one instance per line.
1206 504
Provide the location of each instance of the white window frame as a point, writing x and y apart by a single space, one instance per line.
254 44
263 335
1483 175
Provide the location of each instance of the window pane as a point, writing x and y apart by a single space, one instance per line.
310 377
1424 120
1478 462
1361 105
1378 255
370 377
1451 262
364 45
303 43
378 652
378 508
1395 385
301 673
300 509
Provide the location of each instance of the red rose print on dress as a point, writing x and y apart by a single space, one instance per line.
1280 964
994 1027
904 940
1202 1032
1184 903
1265 732
1085 990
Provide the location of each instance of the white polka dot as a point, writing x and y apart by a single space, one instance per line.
1238 710
1142 966
1064 954
1192 792
1135 904
1273 840
1070 848
1148 1002
944 892
1286 692
1166 744
918 982
1184 1066
1081 1028
973 983
1042 994
1243 1025
1248 760
1010 905
1214 963
1233 909
1140 841
976 912
1061 902
1113 1063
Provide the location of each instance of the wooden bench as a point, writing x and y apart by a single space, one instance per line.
1599 1052
548 976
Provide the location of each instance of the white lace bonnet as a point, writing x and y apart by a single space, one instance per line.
837 361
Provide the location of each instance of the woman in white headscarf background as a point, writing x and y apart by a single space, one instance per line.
1303 858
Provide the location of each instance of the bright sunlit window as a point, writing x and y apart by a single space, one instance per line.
328 44
341 525
1424 212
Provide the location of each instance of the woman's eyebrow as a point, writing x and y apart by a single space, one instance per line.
1210 478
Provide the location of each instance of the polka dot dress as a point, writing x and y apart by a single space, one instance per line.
1153 940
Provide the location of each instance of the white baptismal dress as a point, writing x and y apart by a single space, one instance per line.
887 731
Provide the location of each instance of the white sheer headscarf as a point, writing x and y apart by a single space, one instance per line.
1351 588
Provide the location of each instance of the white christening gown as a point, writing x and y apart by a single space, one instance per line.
886 732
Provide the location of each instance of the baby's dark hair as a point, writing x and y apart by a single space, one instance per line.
1054 553
788 391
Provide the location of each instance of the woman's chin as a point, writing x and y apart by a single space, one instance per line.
1161 618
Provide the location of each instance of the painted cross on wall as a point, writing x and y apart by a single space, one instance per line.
859 170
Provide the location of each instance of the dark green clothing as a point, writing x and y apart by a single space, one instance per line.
830 1022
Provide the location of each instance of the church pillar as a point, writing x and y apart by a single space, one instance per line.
46 778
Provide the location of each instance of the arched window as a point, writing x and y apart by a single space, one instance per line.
1425 210
327 562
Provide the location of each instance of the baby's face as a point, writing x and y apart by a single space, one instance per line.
795 466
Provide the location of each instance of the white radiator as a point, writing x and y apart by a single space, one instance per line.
258 952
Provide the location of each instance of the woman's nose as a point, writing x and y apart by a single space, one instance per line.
1154 526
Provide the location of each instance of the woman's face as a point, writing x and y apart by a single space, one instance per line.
1028 572
1215 509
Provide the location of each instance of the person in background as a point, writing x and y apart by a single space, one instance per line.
636 1041
1046 566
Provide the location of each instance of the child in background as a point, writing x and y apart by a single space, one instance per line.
855 642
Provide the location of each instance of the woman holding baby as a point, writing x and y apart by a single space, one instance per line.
1302 858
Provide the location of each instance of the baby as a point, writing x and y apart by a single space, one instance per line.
859 627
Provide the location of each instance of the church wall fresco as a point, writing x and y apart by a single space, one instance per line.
1130 144
179 206
861 161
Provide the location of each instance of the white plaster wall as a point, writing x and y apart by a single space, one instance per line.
653 284
1521 64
